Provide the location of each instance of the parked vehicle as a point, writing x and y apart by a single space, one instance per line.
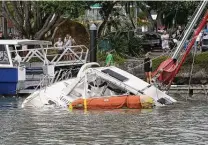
204 43
152 41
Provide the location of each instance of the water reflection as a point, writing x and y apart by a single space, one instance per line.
183 123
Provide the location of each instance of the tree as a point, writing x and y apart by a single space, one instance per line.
33 19
169 10
105 12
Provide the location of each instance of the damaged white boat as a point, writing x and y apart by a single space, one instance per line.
94 81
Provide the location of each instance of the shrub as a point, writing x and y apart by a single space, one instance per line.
201 61
124 43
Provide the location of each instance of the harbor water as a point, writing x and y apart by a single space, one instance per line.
182 123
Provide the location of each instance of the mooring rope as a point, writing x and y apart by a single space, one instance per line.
191 73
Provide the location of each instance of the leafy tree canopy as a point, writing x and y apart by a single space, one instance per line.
36 18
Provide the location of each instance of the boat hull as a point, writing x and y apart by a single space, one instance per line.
8 81
47 96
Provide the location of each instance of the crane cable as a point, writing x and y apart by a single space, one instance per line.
192 67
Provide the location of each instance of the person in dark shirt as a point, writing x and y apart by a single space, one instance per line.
148 67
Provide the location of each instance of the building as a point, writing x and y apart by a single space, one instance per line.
93 14
10 27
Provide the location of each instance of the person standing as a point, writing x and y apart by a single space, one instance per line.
59 45
165 41
67 44
148 67
67 41
109 59
198 41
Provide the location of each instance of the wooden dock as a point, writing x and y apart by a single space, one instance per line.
186 89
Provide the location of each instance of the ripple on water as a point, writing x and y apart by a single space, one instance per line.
180 124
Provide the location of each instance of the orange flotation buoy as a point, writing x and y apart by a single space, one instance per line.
114 102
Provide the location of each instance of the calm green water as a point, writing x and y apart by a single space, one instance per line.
184 123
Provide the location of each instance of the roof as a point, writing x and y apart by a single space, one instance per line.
25 42
96 6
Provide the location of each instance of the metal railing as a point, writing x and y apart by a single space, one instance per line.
46 80
53 55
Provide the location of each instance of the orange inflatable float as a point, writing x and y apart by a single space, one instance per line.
114 102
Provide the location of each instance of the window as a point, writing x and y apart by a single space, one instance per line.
4 59
115 75
205 41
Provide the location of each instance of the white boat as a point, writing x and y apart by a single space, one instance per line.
94 81
12 70
24 62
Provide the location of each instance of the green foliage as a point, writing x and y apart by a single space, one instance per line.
70 9
178 10
124 43
117 40
35 19
189 59
202 58
200 61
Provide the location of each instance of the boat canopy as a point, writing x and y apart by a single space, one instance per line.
25 42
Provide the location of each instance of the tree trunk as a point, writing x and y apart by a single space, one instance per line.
56 28
159 19
101 28
105 17
47 26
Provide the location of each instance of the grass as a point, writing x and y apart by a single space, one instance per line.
201 61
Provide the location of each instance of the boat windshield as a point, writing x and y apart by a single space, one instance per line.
4 59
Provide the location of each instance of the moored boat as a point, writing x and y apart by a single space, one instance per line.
27 65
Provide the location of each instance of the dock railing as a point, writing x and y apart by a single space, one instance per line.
58 56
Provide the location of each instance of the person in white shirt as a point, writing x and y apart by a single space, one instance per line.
59 45
67 44
67 41
165 41
198 41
